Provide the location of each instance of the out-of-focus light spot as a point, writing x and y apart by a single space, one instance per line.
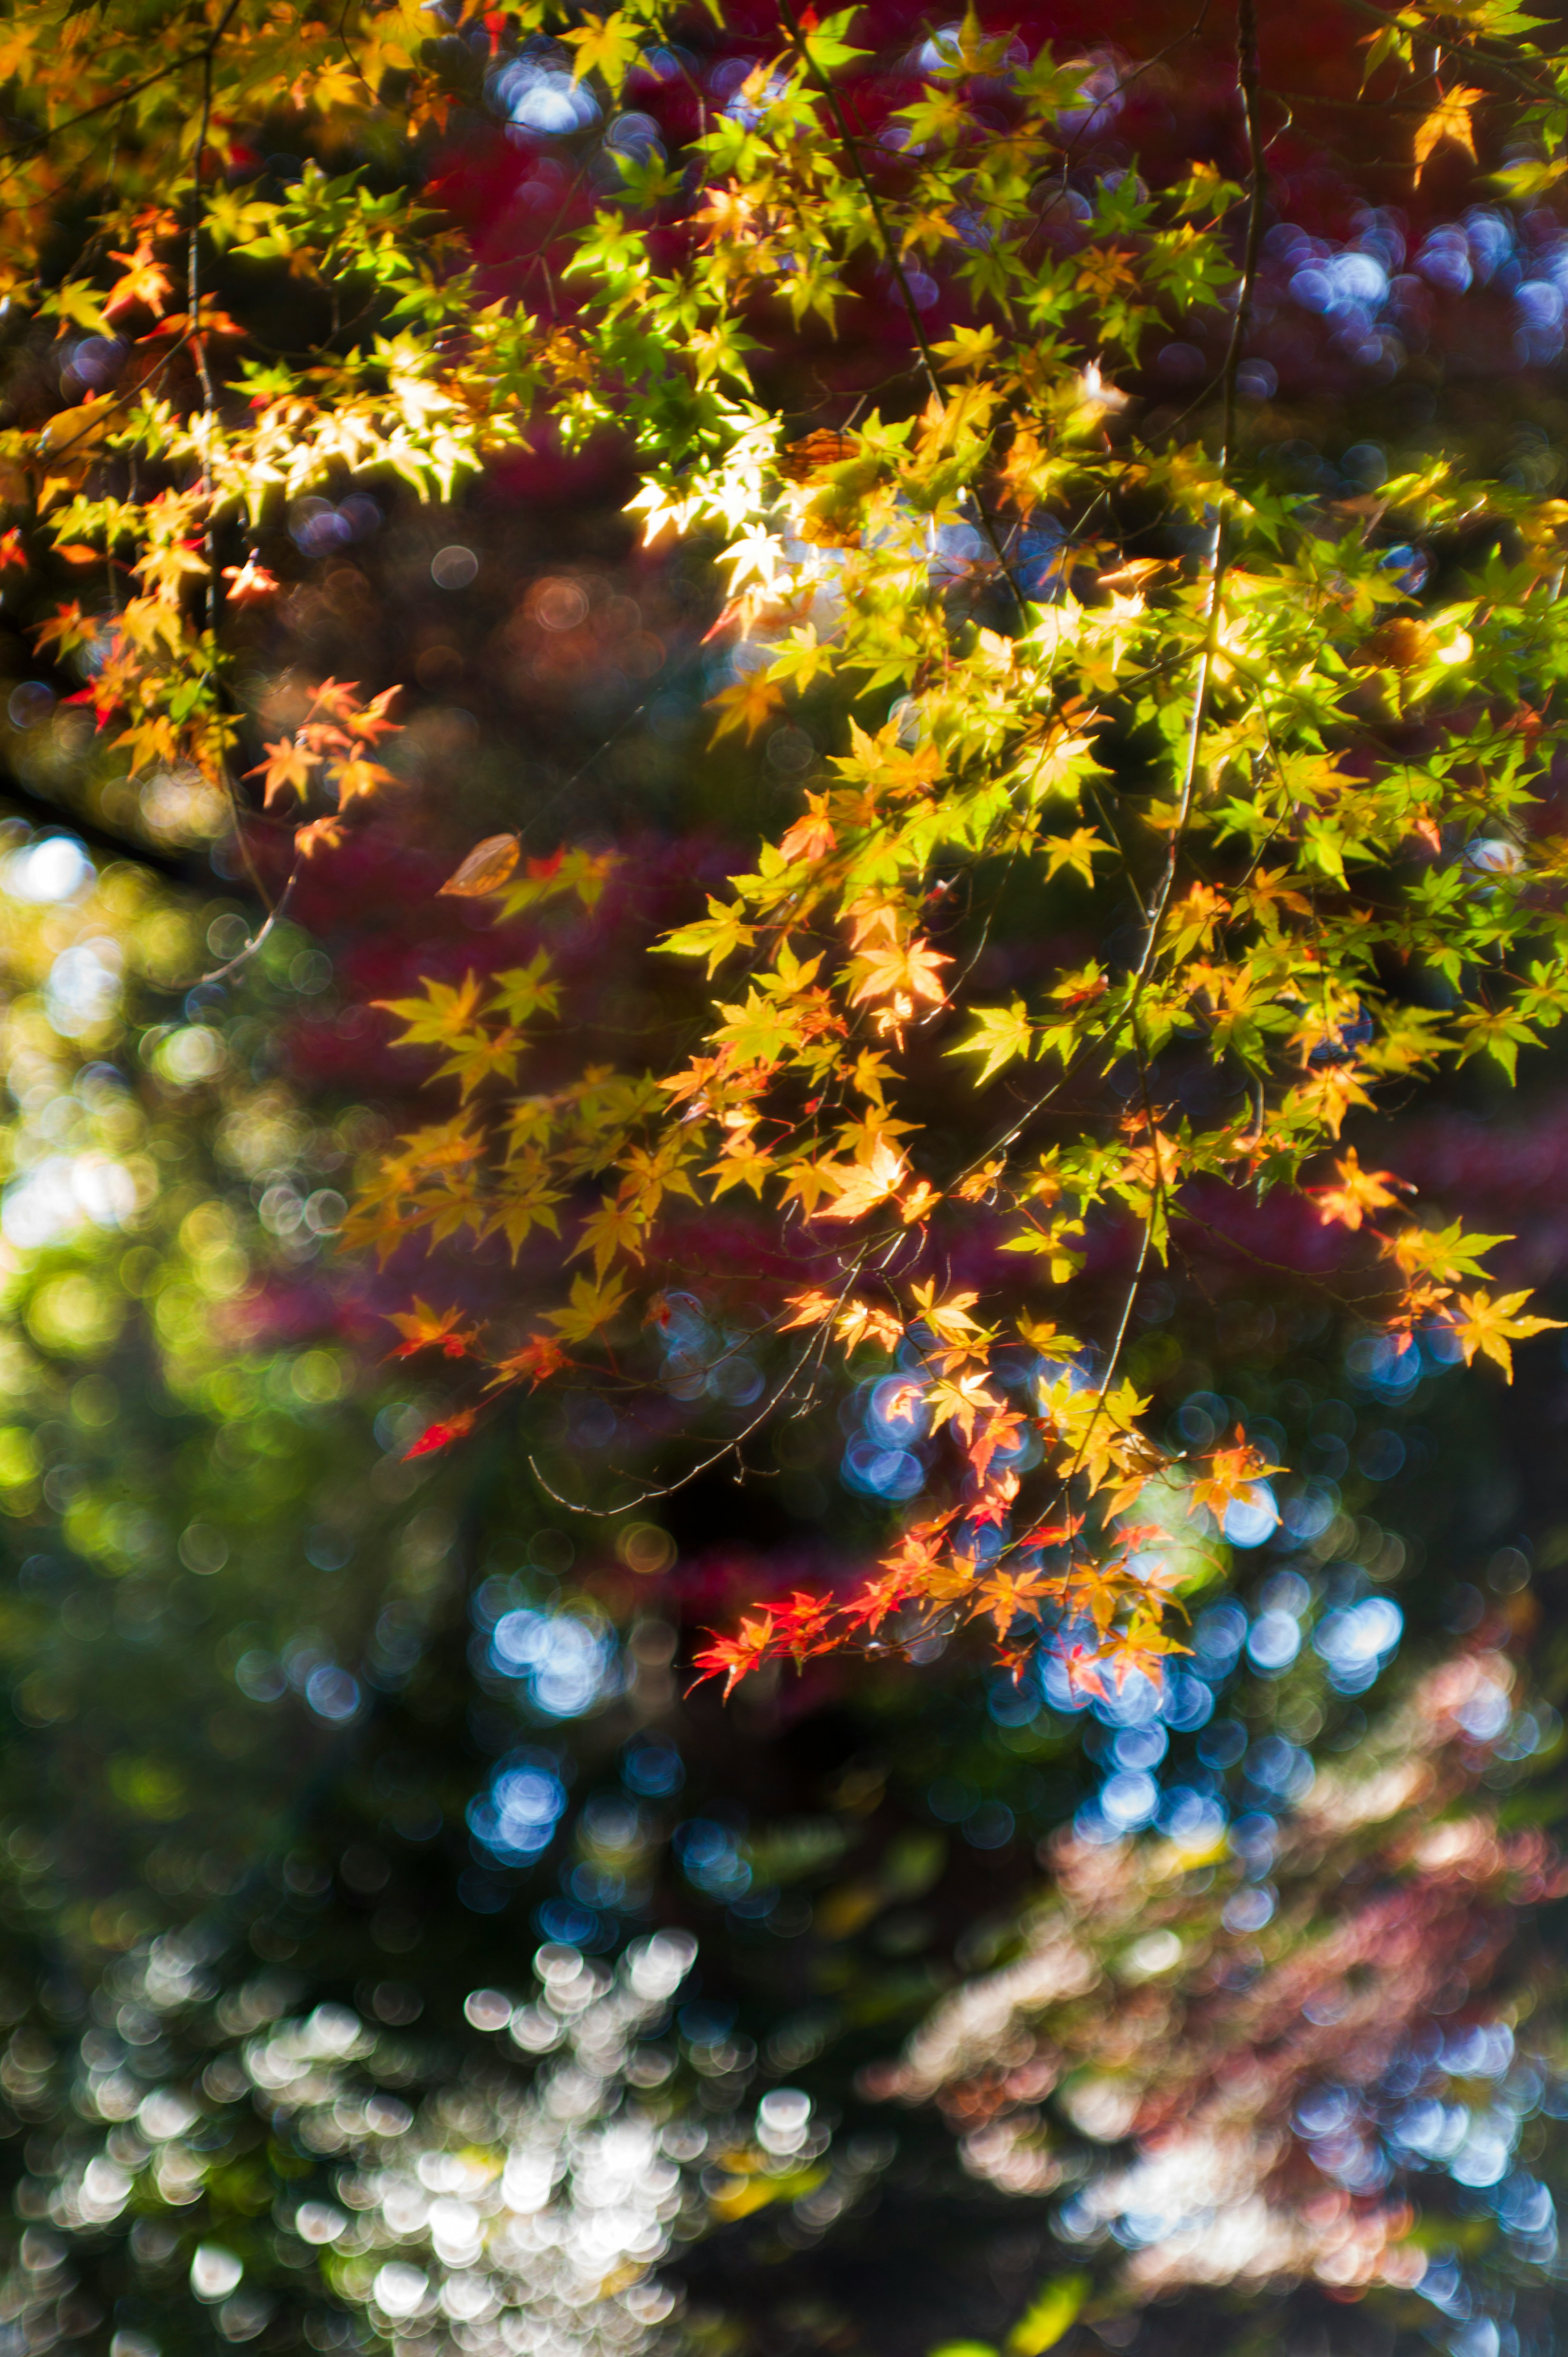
1219 1634
487 2008
1140 1746
1274 1641
516 1816
1186 1702
710 1856
399 2290
646 1549
214 2272
65 1190
1248 1911
1356 1642
653 1768
565 1662
453 567
635 136
203 1549
1308 1514
57 868
332 1693
536 90
1156 1952
658 1964
1252 1519
83 987
990 1826
783 2120
29 703
891 1473
190 1055
556 603
1129 1799
1488 2149
318 2222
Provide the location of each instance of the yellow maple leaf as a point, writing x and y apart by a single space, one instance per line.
750 705
1359 1192
1488 1323
1448 124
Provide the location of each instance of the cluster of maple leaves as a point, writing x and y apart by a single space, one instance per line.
1237 719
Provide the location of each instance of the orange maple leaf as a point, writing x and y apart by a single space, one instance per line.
540 1358
144 281
1359 1192
811 1308
250 584
810 837
287 767
1231 1473
337 697
424 1328
327 834
358 777
372 723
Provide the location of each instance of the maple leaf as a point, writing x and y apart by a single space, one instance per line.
750 705
336 697
1083 1669
441 1436
1053 1534
998 1432
1359 1192
607 45
810 837
373 723
589 1306
734 1658
950 1319
1007 1593
250 584
801 1623
424 1328
357 779
438 1019
485 870
1230 1475
322 834
715 936
288 769
960 1399
143 281
811 1308
1447 124
909 972
1003 1033
861 1186
1487 1323
865 1320
540 1358
919 1203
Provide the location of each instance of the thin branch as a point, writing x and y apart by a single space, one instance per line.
1248 82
